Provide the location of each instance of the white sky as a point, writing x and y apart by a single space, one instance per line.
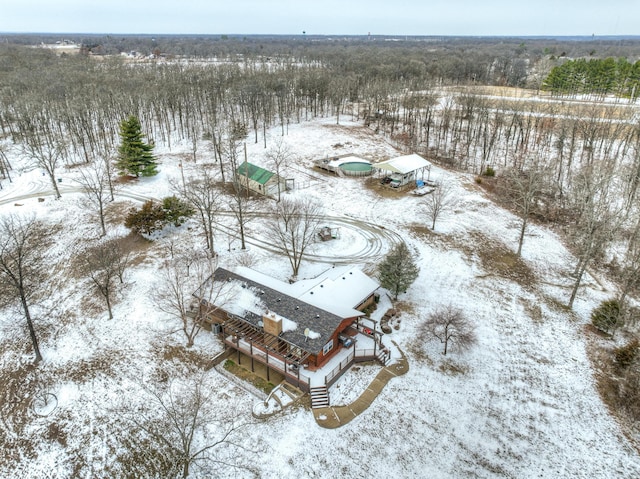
328 17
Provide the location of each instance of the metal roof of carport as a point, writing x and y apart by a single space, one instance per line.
403 164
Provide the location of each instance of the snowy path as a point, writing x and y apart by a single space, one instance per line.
373 240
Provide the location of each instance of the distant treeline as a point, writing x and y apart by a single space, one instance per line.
521 62
600 77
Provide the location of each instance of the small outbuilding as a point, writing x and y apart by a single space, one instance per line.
403 170
260 180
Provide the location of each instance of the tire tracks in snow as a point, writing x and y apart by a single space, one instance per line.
377 238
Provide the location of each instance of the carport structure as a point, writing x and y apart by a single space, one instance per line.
404 169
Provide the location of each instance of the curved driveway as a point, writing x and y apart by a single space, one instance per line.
377 239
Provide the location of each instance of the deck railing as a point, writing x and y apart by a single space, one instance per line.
272 360
355 356
330 378
292 371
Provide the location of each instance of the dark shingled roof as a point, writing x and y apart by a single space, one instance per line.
304 314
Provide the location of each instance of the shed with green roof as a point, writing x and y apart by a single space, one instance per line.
258 179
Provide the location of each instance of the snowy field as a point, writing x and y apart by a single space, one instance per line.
522 403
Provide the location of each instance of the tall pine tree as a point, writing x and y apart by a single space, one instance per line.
134 155
397 270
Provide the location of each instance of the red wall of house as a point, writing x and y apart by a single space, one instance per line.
321 359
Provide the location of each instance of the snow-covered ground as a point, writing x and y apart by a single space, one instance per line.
521 403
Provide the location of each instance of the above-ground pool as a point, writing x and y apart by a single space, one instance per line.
353 168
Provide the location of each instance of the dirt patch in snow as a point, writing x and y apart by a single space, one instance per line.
503 262
136 246
180 354
105 362
19 383
618 393
452 368
496 259
248 376
116 212
373 183
427 235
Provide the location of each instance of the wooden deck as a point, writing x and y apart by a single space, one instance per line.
273 351
289 359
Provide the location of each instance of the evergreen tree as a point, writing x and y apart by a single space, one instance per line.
606 316
134 155
597 76
398 270
176 210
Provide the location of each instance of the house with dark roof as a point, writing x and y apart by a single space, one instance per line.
259 180
293 328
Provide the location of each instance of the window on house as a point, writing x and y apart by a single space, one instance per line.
327 347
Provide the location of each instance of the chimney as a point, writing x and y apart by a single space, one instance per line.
271 323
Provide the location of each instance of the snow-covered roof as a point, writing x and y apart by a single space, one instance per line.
319 304
239 299
338 290
263 279
403 164
344 285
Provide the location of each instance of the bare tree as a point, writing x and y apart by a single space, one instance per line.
95 180
240 202
629 274
524 189
107 157
202 194
598 218
5 166
46 156
103 264
279 156
293 227
215 136
185 285
23 244
438 202
449 325
195 132
186 428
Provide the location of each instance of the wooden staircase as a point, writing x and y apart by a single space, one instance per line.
290 390
383 357
319 397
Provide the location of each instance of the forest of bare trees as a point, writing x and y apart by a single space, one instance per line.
441 99
472 105
442 102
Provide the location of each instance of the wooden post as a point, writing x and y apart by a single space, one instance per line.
375 340
247 168
238 346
